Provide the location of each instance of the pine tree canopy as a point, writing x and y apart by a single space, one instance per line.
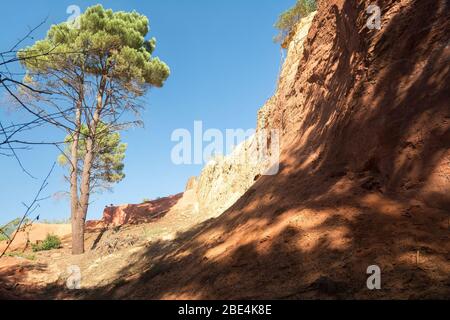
105 43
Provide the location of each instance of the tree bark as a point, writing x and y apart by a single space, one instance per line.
77 234
84 195
85 188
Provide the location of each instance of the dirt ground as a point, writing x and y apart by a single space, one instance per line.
28 275
318 248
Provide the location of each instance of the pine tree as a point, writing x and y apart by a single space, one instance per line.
90 74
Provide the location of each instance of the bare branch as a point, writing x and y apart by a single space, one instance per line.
30 209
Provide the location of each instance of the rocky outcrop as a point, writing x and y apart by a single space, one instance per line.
191 184
184 204
150 211
138 213
225 179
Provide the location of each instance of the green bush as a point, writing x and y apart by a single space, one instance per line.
289 19
50 243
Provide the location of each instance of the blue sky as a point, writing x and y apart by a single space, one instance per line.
224 67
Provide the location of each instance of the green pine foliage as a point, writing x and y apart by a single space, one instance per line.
105 38
107 56
289 19
109 156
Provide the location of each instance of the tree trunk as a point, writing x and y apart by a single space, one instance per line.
77 244
80 220
84 195
78 234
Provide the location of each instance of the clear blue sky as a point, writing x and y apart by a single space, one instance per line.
224 67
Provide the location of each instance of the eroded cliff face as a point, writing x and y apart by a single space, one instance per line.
353 102
372 102
294 56
225 179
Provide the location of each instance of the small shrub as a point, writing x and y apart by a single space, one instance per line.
289 19
50 243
